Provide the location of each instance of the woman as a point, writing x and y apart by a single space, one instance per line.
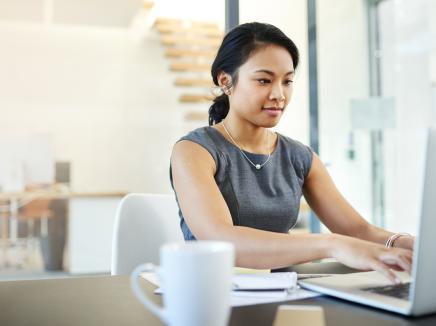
240 182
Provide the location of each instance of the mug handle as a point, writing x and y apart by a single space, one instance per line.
139 294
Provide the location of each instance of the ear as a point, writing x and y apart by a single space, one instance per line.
224 80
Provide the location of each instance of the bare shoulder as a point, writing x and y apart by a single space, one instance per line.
316 168
192 156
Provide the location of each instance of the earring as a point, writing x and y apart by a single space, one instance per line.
217 91
226 89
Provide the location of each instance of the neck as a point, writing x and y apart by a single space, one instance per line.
248 136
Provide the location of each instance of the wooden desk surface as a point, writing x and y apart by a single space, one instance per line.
107 300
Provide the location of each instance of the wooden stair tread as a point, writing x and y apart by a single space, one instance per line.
189 66
193 82
195 98
184 22
190 40
177 30
179 52
148 5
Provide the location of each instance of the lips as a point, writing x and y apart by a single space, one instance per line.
273 111
273 108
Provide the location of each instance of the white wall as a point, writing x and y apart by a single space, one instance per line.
342 73
204 10
291 18
343 76
104 96
106 101
408 48
407 62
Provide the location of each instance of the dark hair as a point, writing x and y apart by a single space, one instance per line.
236 47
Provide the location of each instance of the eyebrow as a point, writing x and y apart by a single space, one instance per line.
269 72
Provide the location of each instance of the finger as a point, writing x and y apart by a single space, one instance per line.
407 253
407 263
383 269
393 259
396 268
406 257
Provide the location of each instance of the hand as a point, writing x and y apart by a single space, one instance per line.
365 255
405 242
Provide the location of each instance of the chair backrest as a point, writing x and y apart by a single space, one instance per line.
143 223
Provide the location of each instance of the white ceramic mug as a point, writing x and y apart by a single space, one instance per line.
196 280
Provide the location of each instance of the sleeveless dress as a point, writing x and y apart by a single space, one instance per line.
266 199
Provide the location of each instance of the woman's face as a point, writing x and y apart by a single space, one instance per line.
264 87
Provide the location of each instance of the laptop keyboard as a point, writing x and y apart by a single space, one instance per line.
400 291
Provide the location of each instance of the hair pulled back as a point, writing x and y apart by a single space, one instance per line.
236 47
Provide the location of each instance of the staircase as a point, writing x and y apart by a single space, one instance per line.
190 47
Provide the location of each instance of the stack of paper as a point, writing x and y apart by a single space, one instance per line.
271 281
249 289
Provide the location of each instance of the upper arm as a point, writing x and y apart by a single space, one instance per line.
201 202
328 203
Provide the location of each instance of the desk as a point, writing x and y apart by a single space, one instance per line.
107 300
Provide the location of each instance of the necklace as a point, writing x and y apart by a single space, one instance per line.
257 166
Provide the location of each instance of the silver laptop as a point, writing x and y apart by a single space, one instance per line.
416 295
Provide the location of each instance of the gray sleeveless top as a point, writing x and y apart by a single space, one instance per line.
266 199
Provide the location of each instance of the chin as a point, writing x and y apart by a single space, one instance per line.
269 124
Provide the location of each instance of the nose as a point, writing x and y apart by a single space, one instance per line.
277 94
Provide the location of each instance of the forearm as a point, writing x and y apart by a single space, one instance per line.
374 234
378 235
264 249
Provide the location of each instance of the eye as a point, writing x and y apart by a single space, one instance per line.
288 82
264 81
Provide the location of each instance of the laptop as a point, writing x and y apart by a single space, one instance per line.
415 295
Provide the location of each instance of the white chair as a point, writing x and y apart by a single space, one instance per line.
143 223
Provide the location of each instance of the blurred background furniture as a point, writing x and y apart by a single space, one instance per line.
74 229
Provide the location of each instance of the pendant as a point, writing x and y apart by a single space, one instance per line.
258 166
